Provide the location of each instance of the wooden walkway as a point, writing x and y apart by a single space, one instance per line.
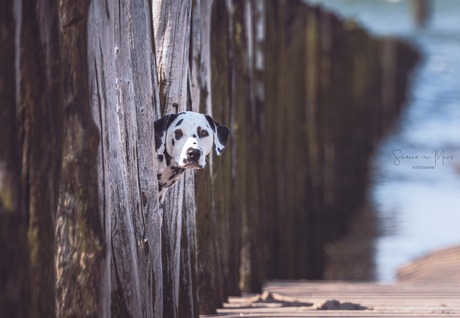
398 300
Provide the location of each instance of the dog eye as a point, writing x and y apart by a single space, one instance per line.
204 133
178 133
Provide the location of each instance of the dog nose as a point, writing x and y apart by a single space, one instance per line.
193 154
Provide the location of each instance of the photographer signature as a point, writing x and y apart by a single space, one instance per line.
438 156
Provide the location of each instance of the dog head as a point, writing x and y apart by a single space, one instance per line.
188 137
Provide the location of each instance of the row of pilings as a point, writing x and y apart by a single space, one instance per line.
307 97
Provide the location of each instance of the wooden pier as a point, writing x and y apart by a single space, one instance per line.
395 300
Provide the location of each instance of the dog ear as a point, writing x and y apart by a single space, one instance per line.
161 126
220 135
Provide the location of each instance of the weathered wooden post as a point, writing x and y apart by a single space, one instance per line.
206 249
120 265
31 120
80 243
171 24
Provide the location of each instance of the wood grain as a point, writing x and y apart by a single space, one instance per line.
398 300
124 99
439 266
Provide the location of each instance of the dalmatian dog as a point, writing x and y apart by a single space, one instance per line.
183 141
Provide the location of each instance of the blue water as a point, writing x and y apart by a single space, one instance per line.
419 208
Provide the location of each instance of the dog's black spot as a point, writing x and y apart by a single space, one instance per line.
194 136
161 158
210 121
169 185
179 122
172 142
222 134
160 126
177 169
221 131
194 143
176 172
158 137
178 134
168 158
181 113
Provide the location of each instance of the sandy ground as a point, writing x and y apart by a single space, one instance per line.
306 299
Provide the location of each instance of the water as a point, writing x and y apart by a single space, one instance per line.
419 208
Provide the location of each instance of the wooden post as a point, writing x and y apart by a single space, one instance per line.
80 240
421 11
171 24
30 156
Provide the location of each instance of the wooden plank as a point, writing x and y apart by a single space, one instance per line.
396 300
438 266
